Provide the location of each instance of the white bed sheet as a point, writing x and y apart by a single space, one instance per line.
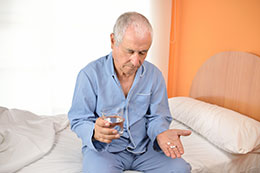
66 156
26 137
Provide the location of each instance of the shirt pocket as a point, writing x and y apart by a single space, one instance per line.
143 102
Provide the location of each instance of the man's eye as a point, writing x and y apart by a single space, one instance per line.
141 53
130 51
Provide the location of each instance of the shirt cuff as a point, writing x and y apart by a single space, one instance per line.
85 132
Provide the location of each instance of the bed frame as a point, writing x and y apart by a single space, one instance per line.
230 80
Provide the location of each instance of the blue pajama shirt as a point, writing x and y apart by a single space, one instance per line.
146 110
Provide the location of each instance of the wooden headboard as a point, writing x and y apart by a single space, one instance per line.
230 80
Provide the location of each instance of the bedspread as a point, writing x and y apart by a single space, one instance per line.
26 137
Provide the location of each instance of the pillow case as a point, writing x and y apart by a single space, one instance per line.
227 129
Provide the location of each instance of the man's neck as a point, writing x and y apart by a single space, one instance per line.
124 77
126 82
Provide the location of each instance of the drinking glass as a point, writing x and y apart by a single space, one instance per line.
115 118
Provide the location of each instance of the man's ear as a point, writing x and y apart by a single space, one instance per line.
112 39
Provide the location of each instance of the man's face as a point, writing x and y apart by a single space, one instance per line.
131 52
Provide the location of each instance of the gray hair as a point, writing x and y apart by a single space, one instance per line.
126 20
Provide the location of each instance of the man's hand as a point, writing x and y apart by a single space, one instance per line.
104 132
170 143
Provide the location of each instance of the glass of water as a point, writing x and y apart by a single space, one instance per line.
115 118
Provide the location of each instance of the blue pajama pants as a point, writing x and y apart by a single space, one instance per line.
149 162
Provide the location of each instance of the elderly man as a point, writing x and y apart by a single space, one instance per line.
124 79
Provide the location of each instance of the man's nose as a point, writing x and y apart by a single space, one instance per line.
135 59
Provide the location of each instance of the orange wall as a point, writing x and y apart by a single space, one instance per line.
202 28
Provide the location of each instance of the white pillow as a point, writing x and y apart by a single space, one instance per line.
227 129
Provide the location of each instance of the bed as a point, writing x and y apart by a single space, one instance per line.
223 112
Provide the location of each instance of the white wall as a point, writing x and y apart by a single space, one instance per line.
44 44
161 20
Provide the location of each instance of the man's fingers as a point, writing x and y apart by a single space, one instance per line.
166 151
103 132
110 137
173 152
102 123
181 150
108 131
183 132
106 138
179 147
169 152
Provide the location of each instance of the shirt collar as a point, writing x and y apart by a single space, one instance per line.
111 70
